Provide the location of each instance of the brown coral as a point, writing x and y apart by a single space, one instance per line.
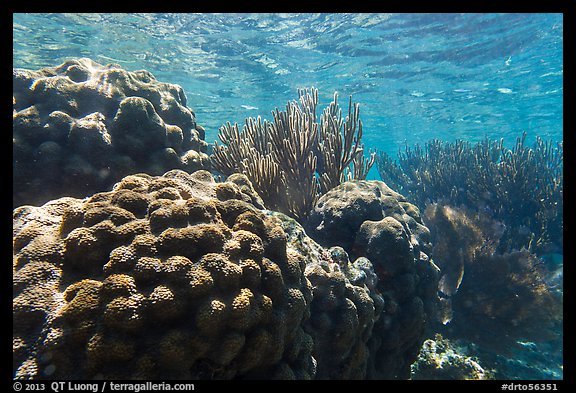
190 279
344 306
172 272
370 220
80 127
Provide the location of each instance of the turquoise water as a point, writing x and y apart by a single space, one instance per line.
416 76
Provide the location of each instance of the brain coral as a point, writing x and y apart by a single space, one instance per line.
80 127
368 219
174 276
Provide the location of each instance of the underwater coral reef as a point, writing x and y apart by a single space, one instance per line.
489 291
522 187
495 217
138 256
368 219
166 273
294 159
173 277
182 277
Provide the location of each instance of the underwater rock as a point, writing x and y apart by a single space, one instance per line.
439 359
168 277
368 219
80 127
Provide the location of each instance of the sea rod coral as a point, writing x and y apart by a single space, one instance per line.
294 159
522 186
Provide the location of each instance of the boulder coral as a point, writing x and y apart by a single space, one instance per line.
180 277
345 305
370 220
174 276
80 127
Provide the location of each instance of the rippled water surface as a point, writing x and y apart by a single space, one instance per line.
416 76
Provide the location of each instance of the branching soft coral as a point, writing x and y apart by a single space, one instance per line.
294 159
490 292
522 186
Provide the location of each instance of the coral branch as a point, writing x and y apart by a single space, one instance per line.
521 186
294 155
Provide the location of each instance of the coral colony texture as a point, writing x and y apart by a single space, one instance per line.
160 271
439 359
367 219
131 260
80 127
164 277
345 305
179 276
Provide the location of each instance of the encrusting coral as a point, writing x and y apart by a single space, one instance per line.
80 127
440 359
295 152
163 277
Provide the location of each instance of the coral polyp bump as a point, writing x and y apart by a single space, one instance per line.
81 126
293 267
97 282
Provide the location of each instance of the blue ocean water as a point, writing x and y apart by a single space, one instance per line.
416 76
